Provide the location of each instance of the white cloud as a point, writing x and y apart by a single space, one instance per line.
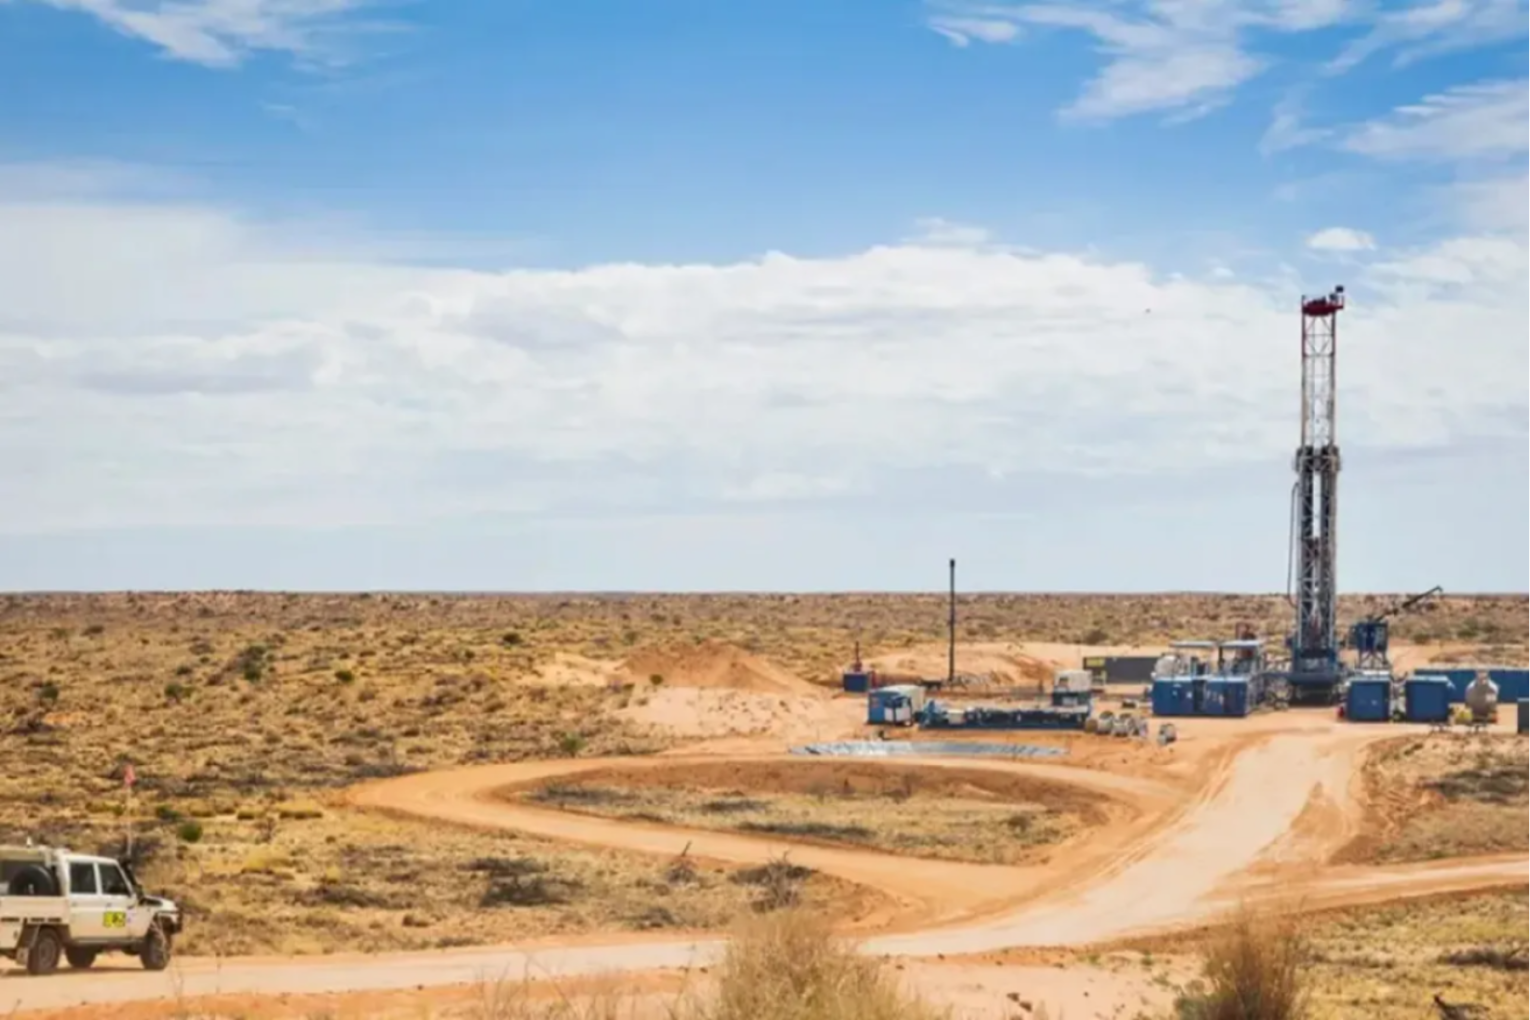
1188 58
173 366
962 30
1486 119
1288 130
1341 239
935 230
1436 27
963 23
1492 204
774 486
1305 15
1160 54
220 33
1171 57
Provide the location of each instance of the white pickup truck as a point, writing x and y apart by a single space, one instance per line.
56 904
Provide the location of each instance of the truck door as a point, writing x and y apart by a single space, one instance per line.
122 917
86 904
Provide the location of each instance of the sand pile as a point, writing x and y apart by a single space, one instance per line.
1005 663
710 712
712 689
712 664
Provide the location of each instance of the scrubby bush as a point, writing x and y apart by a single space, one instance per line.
788 966
1253 972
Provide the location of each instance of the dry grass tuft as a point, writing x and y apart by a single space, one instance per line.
785 966
789 966
1444 795
1507 958
1255 971
506 1001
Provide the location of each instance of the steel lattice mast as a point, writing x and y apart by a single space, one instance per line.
1315 513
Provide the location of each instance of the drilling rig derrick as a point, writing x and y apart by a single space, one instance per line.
1316 673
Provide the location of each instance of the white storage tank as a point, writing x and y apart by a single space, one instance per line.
1482 697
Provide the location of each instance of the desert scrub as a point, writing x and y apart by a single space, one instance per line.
952 814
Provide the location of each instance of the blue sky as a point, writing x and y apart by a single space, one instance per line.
337 294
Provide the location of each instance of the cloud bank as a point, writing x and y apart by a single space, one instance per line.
170 365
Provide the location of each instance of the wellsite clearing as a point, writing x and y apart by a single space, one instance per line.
378 805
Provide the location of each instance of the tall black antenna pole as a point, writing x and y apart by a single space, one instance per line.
951 623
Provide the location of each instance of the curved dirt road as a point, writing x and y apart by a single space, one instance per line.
1174 866
945 890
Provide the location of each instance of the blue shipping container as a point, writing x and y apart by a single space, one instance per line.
1211 699
1197 697
1513 682
1173 698
1458 678
1232 695
857 683
1369 701
1426 700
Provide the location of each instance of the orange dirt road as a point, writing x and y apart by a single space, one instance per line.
944 891
1260 826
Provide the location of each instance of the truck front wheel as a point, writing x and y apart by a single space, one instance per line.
80 957
46 948
155 951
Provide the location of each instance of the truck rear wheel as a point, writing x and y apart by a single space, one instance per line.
80 957
155 951
46 948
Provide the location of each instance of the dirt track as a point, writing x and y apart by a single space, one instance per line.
945 890
1260 825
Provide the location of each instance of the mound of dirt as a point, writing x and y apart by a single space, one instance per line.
712 664
1005 664
707 713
